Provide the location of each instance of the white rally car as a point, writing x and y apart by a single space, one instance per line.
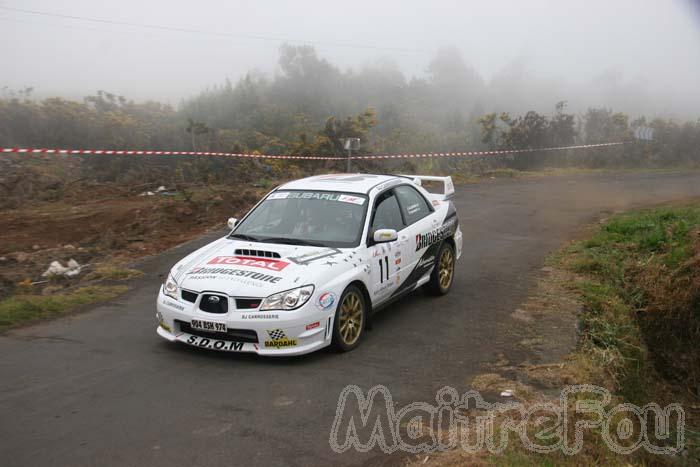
307 266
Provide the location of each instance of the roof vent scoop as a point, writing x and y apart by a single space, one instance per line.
257 253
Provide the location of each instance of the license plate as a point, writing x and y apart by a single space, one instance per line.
214 344
211 326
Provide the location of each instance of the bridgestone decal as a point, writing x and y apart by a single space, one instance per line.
435 235
238 273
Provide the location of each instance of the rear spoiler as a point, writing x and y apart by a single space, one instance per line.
448 186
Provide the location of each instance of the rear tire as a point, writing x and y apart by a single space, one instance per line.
442 277
350 319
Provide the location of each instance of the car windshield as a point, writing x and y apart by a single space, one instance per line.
314 218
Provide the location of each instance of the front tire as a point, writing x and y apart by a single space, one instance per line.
444 271
350 318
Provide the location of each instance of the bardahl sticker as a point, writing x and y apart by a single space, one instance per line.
278 339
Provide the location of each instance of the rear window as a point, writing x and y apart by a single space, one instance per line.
413 205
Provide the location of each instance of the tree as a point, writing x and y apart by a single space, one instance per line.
488 130
196 129
562 127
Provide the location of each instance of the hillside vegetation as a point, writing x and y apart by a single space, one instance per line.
309 107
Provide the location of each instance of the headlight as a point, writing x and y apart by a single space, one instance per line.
170 287
289 299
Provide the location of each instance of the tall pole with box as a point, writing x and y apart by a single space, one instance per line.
351 144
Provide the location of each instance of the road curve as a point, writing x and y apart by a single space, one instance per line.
100 388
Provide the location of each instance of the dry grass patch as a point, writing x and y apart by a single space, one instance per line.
20 309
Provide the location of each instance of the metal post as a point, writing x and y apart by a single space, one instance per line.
349 144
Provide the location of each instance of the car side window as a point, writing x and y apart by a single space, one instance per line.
413 205
387 214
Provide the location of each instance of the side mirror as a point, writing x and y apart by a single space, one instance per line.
385 235
232 221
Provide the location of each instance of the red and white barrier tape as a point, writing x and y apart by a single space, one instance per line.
483 153
109 152
106 152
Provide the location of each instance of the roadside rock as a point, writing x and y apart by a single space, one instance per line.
521 315
20 256
57 269
51 289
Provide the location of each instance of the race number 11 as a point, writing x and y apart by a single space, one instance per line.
384 269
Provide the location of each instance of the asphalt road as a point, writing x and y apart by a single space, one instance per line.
100 388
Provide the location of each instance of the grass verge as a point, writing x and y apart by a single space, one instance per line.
639 277
23 308
635 281
113 272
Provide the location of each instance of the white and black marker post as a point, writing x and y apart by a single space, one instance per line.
349 145
644 133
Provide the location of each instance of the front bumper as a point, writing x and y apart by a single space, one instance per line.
280 333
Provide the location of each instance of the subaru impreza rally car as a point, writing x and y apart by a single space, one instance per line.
307 266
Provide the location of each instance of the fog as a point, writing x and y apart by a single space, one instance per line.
640 56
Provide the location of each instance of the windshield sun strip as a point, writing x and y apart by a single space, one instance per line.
332 244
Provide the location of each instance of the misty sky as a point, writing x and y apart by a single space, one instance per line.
652 44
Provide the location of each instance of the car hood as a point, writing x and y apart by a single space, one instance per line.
252 269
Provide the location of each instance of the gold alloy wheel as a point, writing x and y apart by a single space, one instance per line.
351 318
446 268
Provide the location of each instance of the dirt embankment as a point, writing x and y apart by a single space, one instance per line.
101 226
